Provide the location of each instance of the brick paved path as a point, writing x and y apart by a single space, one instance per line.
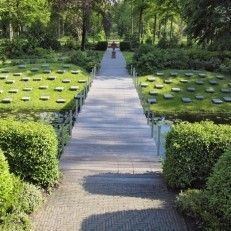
111 172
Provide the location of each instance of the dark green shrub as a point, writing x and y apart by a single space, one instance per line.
31 150
6 185
192 151
101 46
125 46
210 208
86 59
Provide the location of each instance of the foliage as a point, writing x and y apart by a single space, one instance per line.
187 148
31 150
86 59
125 46
6 185
148 59
197 110
101 46
210 208
35 103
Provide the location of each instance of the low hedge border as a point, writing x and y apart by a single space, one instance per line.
31 149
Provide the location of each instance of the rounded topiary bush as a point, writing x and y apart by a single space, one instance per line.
31 149
6 185
192 151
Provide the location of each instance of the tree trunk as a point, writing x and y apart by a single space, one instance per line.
11 31
154 29
171 28
141 22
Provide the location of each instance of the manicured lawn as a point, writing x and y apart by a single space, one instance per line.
128 55
36 90
189 88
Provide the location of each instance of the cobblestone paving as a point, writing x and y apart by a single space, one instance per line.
111 174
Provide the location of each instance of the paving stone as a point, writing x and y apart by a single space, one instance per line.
46 71
60 89
2 77
43 87
199 82
14 91
227 99
210 90
37 79
199 97
174 74
226 90
10 81
151 79
61 71
168 81
191 89
25 79
220 76
60 101
144 84
159 73
34 69
17 74
153 92
5 71
189 74
217 101
152 101
159 86
213 82
44 97
168 96
25 98
66 81
22 66
75 72
27 89
74 88
186 100
82 81
175 89
202 75
7 100
51 78
184 81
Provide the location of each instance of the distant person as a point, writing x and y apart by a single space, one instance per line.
113 45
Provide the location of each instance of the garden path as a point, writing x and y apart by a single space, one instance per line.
111 173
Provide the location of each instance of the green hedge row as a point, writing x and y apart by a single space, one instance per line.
101 46
211 207
192 150
125 46
31 149
148 59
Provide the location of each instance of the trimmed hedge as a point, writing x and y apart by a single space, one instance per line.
125 46
31 149
211 208
6 185
101 46
148 59
192 150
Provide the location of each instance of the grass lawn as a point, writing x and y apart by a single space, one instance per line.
39 91
189 88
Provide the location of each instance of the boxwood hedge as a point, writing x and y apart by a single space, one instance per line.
31 150
211 208
192 151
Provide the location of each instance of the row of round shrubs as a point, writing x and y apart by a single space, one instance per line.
192 150
211 207
31 149
199 156
17 199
